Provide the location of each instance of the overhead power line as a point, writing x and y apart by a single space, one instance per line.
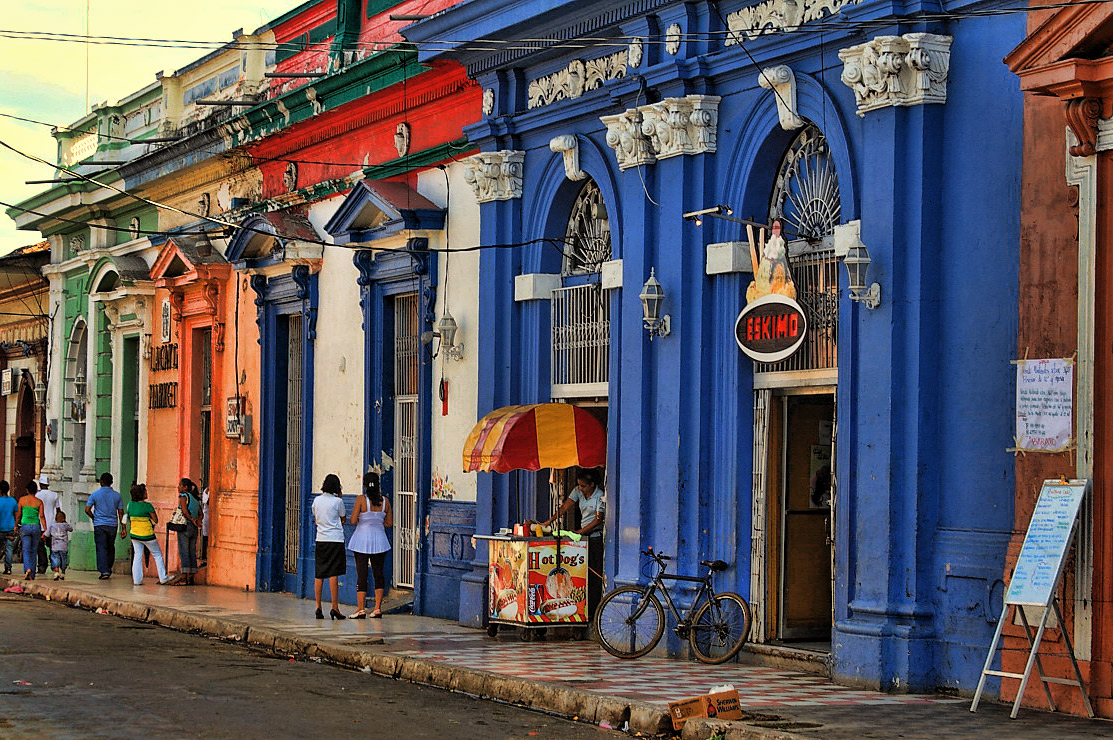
823 25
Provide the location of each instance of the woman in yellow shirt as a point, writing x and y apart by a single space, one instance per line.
142 519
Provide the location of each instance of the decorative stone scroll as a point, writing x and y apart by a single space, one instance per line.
495 175
782 81
576 79
666 129
898 70
776 15
569 146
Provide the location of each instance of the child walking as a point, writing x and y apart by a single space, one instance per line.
141 526
60 545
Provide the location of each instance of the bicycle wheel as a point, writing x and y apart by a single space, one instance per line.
629 621
720 628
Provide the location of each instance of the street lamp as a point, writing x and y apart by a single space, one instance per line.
40 394
80 387
857 261
446 330
652 296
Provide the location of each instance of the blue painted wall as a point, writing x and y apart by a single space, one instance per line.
925 393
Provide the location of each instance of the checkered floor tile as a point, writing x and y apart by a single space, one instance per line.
656 680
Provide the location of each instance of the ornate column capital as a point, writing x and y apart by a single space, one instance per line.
670 128
891 71
495 175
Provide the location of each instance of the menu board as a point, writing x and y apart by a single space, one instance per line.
531 583
1044 405
1046 543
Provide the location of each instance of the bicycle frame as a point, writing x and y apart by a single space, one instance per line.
706 590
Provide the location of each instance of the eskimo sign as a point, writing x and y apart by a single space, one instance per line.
771 328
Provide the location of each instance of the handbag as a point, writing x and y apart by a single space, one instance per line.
177 521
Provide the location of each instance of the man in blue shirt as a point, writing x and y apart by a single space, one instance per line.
106 509
8 532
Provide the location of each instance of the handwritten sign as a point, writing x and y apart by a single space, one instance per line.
1045 544
1044 405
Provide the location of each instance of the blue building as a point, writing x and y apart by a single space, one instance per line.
861 487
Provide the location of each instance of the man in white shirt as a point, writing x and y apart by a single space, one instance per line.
50 506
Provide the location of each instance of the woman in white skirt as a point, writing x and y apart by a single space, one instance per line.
370 544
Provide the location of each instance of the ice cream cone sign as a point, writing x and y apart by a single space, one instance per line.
771 270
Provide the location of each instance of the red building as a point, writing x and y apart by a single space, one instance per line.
1066 272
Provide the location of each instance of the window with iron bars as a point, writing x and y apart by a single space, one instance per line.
806 201
581 322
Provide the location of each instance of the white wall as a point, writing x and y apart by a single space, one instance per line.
338 364
458 276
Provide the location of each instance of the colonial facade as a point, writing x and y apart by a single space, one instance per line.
840 482
1065 311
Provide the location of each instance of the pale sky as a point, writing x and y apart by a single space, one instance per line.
45 80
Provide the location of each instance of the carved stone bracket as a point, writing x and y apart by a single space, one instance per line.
576 79
569 146
495 175
782 81
670 128
1082 116
893 71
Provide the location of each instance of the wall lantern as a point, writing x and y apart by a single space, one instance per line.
80 387
857 261
40 395
446 330
652 296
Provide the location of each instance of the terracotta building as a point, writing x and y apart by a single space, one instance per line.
1066 70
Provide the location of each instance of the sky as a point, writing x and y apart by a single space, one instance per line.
45 80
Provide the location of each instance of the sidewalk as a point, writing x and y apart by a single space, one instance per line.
571 678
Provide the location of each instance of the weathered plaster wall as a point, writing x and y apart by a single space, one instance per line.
339 376
458 278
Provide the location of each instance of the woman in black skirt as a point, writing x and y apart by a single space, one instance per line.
329 562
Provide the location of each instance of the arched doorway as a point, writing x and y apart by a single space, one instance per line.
76 390
794 412
24 439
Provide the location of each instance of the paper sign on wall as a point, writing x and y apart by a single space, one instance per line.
1044 405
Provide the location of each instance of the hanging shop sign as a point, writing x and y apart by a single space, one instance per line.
772 325
771 328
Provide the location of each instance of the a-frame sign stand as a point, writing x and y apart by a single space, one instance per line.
1035 579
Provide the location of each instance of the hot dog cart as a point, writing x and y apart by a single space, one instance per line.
539 581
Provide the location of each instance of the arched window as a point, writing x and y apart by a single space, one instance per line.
588 235
805 199
806 193
581 315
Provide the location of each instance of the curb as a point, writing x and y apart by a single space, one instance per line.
610 712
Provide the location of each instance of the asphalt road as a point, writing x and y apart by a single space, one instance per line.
68 673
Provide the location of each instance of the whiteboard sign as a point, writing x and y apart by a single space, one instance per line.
1044 405
1045 544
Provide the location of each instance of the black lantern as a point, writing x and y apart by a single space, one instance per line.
652 296
857 261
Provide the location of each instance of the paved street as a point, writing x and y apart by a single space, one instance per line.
68 673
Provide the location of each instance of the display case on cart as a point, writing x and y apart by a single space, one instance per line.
538 582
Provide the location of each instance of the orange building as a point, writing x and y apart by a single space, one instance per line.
203 382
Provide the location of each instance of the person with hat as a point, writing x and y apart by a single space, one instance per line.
50 506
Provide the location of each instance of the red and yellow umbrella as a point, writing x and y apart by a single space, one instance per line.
543 435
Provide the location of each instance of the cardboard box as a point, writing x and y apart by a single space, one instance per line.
720 705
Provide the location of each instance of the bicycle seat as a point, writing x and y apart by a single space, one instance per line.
716 565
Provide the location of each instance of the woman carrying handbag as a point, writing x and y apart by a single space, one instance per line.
189 509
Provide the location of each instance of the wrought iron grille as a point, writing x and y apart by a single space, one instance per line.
806 194
407 346
816 274
581 342
293 446
588 236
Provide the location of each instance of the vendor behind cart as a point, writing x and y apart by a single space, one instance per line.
589 496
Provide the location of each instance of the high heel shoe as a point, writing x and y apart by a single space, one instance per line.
336 614
319 615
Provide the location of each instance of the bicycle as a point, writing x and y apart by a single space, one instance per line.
630 621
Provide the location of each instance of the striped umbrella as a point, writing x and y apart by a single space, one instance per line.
543 435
